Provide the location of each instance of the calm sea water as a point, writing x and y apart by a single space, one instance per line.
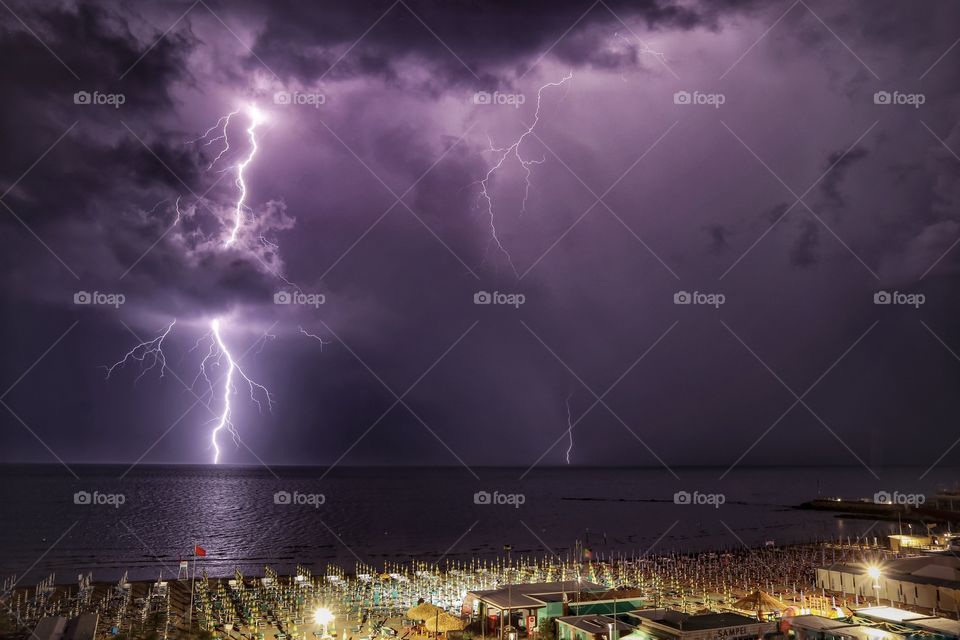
393 514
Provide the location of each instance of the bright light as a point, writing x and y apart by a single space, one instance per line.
323 616
874 572
255 115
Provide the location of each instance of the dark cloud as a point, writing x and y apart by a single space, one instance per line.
400 283
839 164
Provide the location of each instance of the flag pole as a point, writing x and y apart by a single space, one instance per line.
192 578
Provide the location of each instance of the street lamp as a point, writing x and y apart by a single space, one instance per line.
874 573
323 617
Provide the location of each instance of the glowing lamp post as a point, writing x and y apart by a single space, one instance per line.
323 617
874 573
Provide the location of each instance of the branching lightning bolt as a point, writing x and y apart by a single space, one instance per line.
218 352
569 429
256 117
149 354
504 153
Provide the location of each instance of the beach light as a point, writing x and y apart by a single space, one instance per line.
323 617
874 573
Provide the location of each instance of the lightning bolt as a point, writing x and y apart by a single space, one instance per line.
639 47
504 154
256 118
569 429
218 352
220 126
314 336
149 354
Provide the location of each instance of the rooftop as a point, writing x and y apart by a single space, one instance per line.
700 622
535 595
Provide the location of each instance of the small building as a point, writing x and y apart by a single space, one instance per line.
930 581
592 627
809 627
527 606
669 624
941 627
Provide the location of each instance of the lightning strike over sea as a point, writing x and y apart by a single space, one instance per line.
218 352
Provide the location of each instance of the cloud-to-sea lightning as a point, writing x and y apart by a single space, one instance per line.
217 353
502 155
149 354
569 429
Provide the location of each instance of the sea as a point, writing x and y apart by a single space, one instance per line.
144 520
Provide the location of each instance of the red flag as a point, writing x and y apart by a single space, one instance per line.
199 551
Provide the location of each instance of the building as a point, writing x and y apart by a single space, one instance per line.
668 624
929 581
527 606
941 627
591 627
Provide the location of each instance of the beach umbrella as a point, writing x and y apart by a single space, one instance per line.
424 611
443 622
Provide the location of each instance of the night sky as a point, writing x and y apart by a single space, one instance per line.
786 161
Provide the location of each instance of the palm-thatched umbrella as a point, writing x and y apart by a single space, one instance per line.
443 622
424 611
